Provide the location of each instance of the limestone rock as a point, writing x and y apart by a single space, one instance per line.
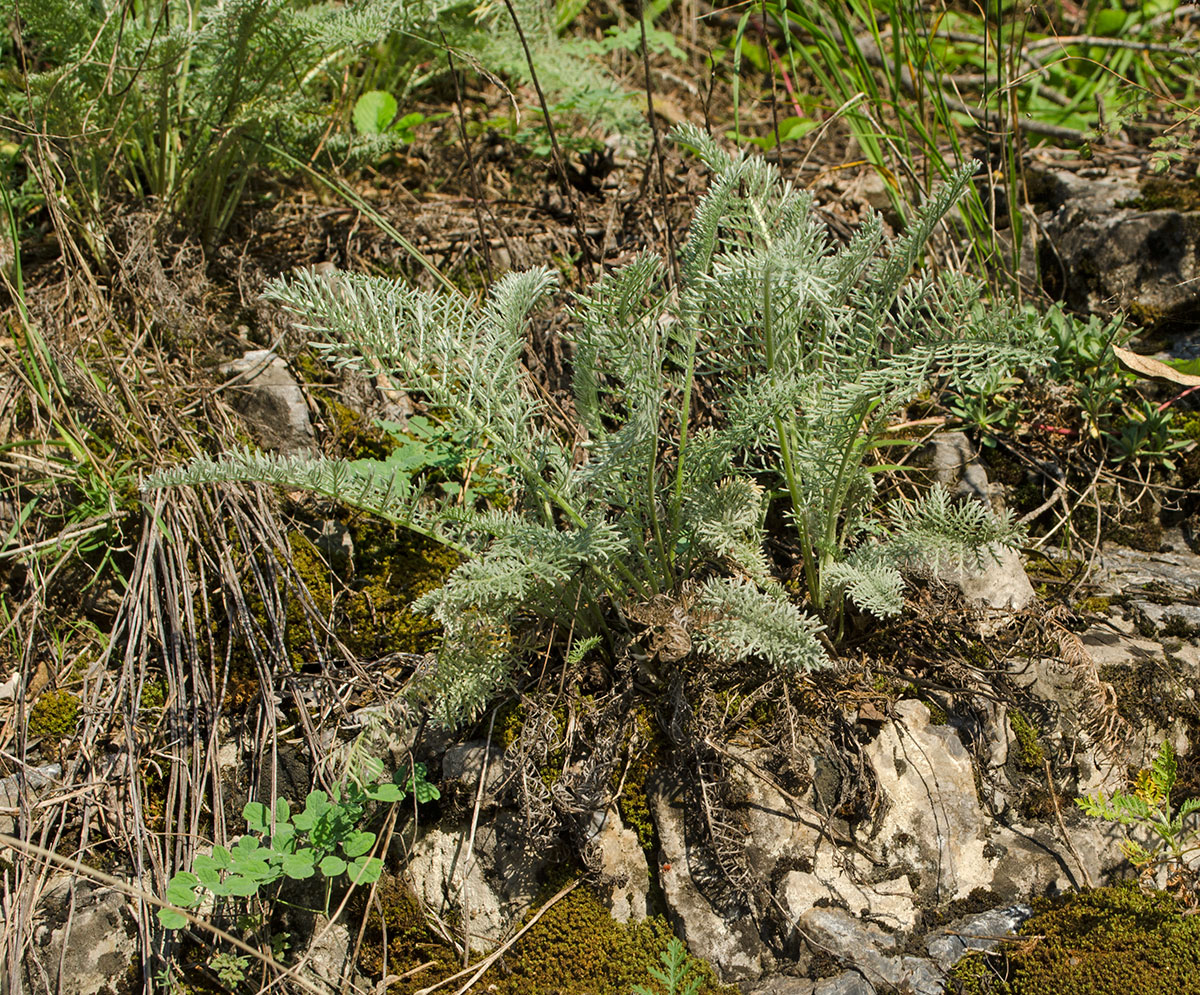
875 954
330 967
36 779
999 581
1108 253
782 985
726 938
979 932
951 460
85 951
624 877
888 902
492 886
265 393
846 983
462 766
933 821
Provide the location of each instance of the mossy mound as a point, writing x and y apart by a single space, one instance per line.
1111 941
575 948
54 716
371 610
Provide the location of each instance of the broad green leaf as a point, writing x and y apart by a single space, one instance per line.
386 792
332 866
181 890
241 887
170 919
299 866
365 870
283 810
426 792
284 839
357 844
255 814
1110 22
373 112
221 857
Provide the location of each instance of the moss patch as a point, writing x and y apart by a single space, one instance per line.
1111 941
371 611
646 747
54 716
1029 754
575 948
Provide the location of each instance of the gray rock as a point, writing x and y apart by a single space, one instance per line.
782 985
1121 570
1173 619
932 821
846 983
999 581
264 392
980 932
330 966
949 459
624 876
869 950
1113 256
85 950
36 778
462 766
729 941
492 886
837 877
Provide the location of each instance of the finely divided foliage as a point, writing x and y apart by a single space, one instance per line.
816 347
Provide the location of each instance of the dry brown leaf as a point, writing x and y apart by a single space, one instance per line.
1152 369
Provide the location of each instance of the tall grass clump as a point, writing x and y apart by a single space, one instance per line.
184 101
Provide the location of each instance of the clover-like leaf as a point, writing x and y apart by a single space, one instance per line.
181 889
255 814
332 866
241 887
299 865
171 919
373 112
365 870
356 844
221 858
283 811
386 792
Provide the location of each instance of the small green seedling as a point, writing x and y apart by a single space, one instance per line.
1174 831
323 838
676 975
377 113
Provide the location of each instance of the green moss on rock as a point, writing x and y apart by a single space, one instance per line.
577 948
54 716
371 611
1111 941
1029 753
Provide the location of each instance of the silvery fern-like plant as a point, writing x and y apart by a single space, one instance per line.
816 347
819 347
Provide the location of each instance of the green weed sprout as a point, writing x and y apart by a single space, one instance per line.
323 838
1174 833
676 975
